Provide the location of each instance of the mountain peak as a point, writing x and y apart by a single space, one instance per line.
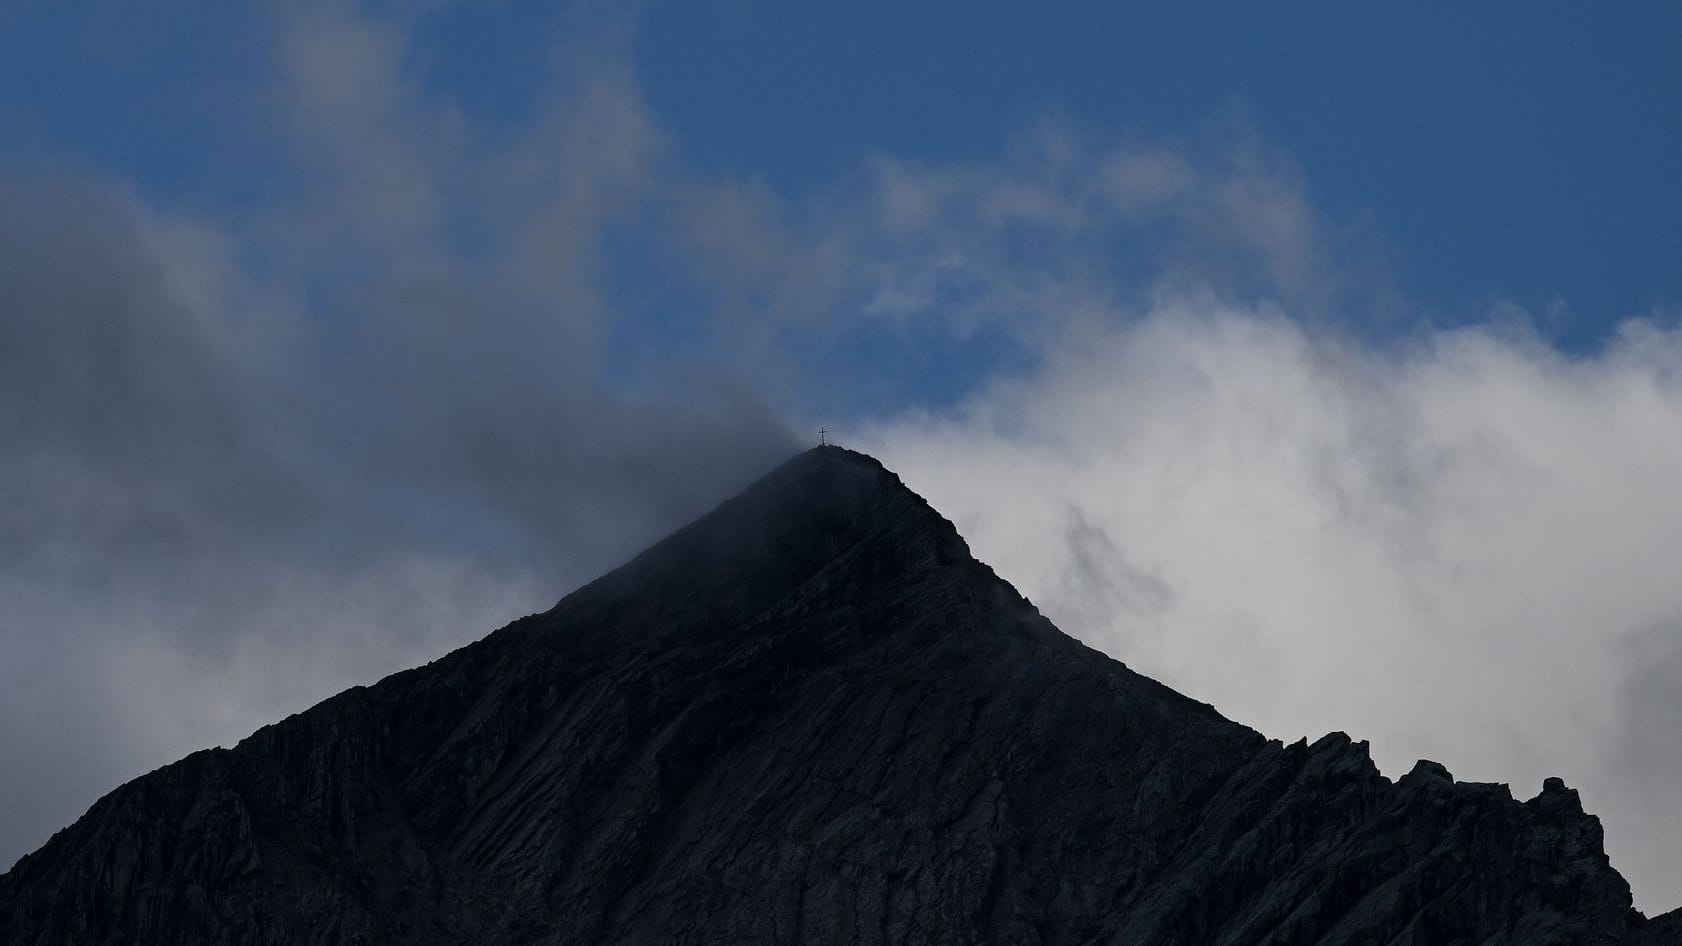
808 716
835 479
818 510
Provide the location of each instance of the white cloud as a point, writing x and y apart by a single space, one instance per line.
1448 547
1461 548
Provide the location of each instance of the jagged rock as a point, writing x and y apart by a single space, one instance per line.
808 717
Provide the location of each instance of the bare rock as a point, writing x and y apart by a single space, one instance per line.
809 717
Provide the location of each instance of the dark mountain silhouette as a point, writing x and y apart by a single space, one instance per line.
808 717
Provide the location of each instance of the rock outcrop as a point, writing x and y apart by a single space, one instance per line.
809 717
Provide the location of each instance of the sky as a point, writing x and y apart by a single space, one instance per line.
1322 363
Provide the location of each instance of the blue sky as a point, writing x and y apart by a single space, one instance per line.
1320 361
1506 150
1519 153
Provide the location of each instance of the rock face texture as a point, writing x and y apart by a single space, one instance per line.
808 717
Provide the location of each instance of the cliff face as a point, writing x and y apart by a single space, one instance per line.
810 716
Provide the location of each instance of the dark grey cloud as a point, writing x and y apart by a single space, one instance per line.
1644 764
1651 710
219 504
388 398
124 419
1098 583
434 377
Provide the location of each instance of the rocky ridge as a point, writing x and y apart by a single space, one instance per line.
810 716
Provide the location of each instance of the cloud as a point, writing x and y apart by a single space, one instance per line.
257 455
1084 224
432 369
1228 453
1459 546
967 267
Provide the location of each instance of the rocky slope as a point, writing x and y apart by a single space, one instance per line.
809 717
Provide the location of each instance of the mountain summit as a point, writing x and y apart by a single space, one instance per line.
808 717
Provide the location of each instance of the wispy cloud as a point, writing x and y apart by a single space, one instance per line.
434 369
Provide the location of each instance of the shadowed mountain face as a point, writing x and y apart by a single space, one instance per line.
808 717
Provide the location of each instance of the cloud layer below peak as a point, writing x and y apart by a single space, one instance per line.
1461 547
431 360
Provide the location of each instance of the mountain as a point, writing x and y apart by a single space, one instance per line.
808 717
